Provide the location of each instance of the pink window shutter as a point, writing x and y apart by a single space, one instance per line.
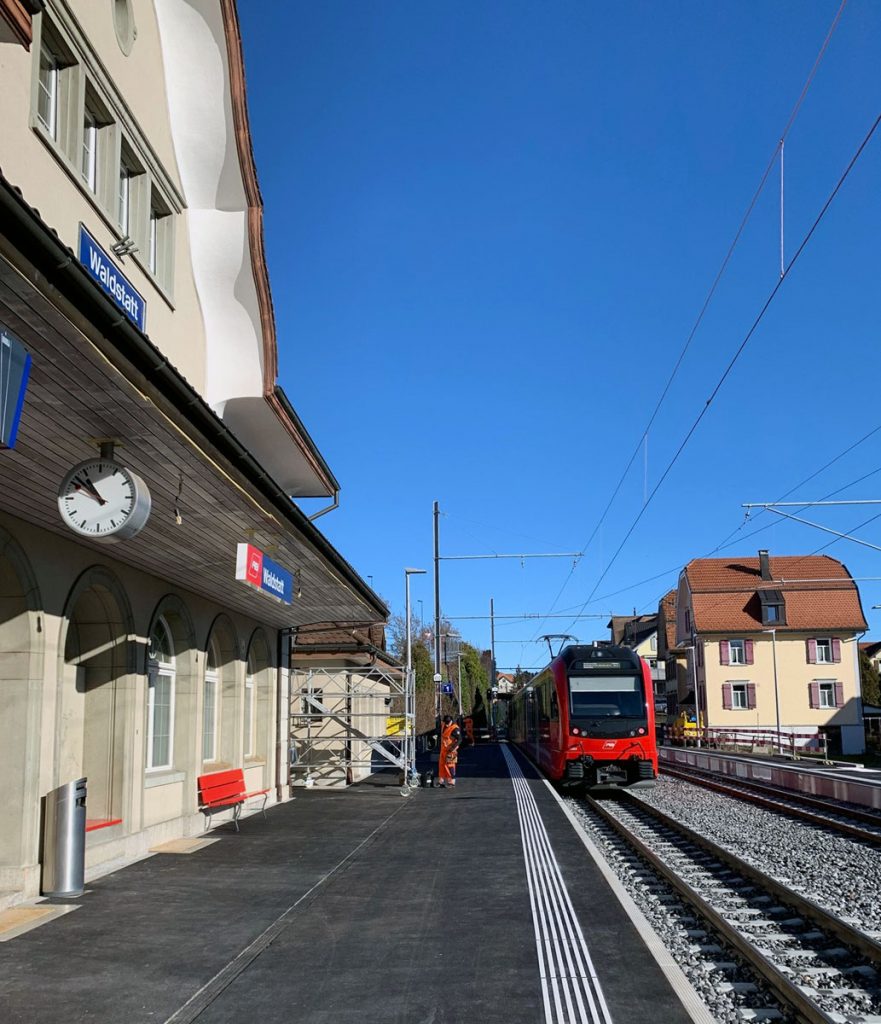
836 650
724 652
839 695
748 651
727 701
815 694
750 695
812 654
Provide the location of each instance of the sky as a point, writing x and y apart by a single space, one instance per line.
491 228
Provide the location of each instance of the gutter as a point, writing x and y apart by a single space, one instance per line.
49 255
328 508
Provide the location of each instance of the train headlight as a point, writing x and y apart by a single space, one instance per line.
641 731
576 731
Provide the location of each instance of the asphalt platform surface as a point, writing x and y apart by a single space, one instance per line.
344 907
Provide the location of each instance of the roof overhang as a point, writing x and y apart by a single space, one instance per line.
95 375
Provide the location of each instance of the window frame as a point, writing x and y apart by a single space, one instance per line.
249 712
824 687
158 669
211 677
739 689
741 649
827 642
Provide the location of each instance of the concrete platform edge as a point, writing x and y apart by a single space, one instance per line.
685 992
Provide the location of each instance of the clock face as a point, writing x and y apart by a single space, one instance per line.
104 501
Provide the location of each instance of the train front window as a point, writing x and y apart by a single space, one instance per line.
597 696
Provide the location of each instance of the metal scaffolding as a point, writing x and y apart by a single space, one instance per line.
348 722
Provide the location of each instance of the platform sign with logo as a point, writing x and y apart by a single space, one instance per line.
15 368
113 282
261 573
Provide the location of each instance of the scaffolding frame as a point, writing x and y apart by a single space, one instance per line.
358 699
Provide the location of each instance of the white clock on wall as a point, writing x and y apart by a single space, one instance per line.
103 500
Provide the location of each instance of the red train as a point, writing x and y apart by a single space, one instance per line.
588 719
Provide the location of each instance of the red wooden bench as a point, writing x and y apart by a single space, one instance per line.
223 791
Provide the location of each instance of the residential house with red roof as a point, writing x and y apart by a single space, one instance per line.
774 644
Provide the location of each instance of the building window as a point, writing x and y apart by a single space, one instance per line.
773 608
824 652
736 652
687 621
89 165
826 693
47 89
738 695
160 698
211 689
308 707
159 240
250 691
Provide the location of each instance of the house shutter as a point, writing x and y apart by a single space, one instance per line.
727 702
836 651
812 655
750 695
724 652
748 652
839 695
815 693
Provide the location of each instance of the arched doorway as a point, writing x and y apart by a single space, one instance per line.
95 704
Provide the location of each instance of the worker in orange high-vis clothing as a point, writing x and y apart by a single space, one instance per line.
451 737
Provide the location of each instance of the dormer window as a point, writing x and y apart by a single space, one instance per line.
773 609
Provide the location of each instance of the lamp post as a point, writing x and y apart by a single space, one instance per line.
409 689
773 633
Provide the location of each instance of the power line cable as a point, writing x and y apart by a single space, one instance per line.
713 287
732 362
723 267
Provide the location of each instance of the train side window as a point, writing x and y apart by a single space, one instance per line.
555 707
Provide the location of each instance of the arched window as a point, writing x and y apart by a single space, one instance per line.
210 704
160 698
250 697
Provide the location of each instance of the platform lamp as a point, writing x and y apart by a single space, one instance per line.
410 709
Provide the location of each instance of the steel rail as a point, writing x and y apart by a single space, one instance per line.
752 793
785 990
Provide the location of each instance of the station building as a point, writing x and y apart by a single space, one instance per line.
143 641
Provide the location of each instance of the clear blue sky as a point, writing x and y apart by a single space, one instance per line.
490 228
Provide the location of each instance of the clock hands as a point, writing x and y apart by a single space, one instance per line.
90 489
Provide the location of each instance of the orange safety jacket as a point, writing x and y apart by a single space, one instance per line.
449 746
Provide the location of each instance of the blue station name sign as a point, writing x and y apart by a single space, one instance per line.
261 573
111 279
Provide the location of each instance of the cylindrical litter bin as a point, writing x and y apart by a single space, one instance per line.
64 840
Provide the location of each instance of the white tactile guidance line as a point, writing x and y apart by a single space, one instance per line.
570 988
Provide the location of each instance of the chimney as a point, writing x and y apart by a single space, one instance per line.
764 564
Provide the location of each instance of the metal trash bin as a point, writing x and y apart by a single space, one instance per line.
64 840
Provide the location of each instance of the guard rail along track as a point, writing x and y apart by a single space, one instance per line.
759 917
845 818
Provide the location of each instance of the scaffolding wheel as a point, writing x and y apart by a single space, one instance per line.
405 790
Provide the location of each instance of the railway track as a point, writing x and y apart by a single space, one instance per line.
820 969
843 818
